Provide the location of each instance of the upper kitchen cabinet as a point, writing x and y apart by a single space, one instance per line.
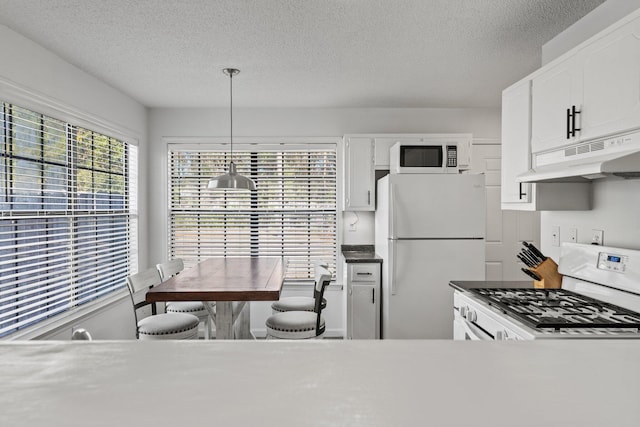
359 174
516 160
611 82
593 91
556 94
516 153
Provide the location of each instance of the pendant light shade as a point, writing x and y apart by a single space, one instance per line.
231 180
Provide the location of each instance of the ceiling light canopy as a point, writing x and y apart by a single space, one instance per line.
231 180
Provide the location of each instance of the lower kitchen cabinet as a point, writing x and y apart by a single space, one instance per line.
363 300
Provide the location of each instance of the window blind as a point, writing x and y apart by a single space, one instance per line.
68 216
292 213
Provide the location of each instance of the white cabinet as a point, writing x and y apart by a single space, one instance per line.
591 92
359 174
516 152
556 92
611 82
363 300
516 160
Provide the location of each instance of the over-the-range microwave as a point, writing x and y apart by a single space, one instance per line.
437 155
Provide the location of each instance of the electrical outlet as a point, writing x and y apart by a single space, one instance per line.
573 235
597 237
555 235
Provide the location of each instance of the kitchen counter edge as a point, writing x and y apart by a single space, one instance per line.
465 285
360 254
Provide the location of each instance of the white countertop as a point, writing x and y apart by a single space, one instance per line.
330 383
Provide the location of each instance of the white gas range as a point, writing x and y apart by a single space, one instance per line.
599 298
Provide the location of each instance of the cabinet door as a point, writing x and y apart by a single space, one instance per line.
363 309
611 89
516 152
359 176
554 92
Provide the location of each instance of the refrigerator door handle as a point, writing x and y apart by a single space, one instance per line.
393 262
392 211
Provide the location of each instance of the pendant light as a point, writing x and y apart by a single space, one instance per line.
231 180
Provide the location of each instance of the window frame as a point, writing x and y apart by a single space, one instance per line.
74 216
221 144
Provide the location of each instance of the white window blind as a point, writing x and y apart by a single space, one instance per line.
68 218
292 213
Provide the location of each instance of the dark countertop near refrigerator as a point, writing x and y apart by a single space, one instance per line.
494 284
360 254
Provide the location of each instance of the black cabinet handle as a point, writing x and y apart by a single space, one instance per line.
522 193
373 295
571 122
574 129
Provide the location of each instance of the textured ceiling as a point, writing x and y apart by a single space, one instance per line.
300 53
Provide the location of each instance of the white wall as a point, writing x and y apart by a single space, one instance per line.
32 77
165 123
616 203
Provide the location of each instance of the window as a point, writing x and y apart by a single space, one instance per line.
67 230
292 213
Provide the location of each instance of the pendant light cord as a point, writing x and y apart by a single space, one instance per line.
231 111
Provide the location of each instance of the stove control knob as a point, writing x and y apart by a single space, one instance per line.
463 310
471 316
500 335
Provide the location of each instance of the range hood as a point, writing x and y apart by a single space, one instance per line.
614 156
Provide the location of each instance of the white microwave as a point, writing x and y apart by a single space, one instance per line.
440 155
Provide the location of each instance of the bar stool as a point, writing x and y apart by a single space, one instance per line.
197 308
299 303
167 326
302 324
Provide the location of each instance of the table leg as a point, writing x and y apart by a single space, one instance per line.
232 319
212 317
243 324
224 320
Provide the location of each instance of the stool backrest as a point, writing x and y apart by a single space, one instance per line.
323 279
138 285
170 268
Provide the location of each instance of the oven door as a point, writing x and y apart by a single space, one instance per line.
464 330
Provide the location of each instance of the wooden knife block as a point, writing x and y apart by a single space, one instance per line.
548 271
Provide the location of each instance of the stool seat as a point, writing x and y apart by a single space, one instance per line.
294 325
192 307
169 326
296 304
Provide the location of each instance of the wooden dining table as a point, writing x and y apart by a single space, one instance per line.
230 283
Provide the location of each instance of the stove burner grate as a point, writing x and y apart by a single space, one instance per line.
558 308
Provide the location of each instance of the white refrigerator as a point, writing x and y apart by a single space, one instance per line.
429 229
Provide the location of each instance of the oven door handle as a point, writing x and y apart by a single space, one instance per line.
473 332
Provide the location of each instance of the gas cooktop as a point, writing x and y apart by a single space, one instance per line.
558 308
